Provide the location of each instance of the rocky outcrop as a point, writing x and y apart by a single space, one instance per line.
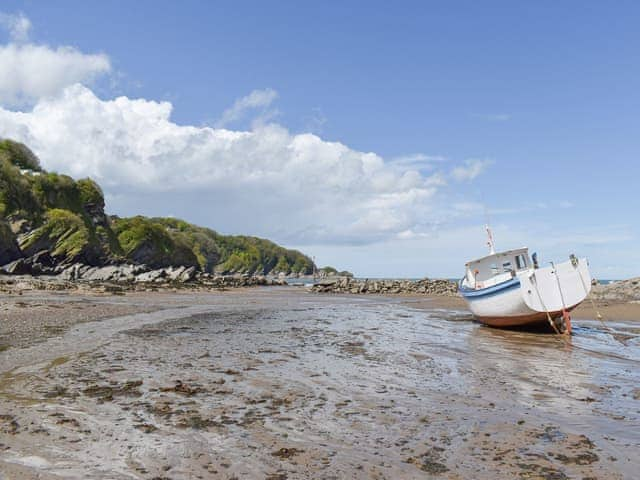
119 280
425 286
330 272
9 250
39 264
65 236
130 274
622 290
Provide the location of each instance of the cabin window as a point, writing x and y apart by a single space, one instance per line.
521 262
506 266
494 269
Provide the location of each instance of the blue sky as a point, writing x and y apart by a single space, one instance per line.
534 105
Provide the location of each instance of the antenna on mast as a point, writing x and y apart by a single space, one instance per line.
490 243
492 246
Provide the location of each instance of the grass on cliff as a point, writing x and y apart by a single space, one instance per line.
252 254
90 192
150 240
63 229
199 240
331 271
30 196
20 155
236 253
65 216
145 241
16 193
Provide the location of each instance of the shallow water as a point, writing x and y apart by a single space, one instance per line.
283 384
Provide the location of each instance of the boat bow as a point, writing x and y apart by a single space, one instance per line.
557 287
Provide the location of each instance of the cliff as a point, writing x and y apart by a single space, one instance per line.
50 221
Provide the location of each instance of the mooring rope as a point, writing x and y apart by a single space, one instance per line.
561 336
595 308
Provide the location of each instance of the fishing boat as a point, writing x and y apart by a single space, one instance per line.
510 289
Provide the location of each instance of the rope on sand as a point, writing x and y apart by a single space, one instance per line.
611 331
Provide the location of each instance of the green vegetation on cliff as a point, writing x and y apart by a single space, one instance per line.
20 155
63 233
16 193
329 271
200 241
148 242
251 254
42 210
170 241
49 211
333 272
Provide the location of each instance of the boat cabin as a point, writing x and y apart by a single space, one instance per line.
496 268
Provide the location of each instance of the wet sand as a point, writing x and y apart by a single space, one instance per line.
275 383
32 318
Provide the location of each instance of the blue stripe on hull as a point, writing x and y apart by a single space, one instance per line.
471 294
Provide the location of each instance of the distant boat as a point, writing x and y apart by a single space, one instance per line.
509 289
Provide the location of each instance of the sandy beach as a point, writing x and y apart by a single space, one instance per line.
278 383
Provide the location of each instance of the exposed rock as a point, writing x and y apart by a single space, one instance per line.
157 276
188 274
66 236
42 263
9 250
349 285
130 274
623 290
44 259
18 267
174 273
19 225
115 273
74 272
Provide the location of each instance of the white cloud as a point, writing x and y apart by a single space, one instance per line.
29 72
417 161
493 117
257 99
470 170
18 26
299 188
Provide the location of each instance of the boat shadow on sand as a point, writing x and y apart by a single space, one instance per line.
466 316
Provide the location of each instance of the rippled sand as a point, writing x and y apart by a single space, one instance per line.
281 384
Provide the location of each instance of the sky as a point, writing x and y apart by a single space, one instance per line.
376 138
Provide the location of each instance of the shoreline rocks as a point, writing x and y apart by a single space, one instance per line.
426 286
622 290
122 278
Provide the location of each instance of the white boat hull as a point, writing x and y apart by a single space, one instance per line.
531 296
